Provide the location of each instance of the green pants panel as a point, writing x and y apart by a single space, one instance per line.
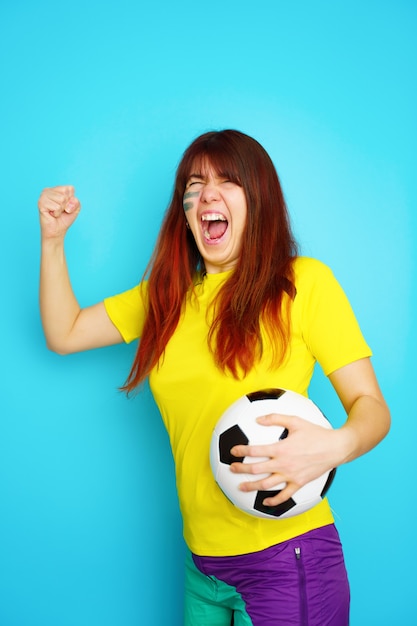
211 602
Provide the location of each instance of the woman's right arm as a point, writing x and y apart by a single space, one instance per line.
67 327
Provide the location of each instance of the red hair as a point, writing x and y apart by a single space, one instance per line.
257 288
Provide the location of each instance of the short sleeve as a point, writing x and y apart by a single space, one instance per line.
127 311
329 325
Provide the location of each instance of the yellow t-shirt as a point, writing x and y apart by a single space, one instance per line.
192 393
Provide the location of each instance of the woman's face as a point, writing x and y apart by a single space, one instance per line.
216 211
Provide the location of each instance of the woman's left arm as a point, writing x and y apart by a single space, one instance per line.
310 450
368 418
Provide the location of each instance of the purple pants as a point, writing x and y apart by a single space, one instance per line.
300 582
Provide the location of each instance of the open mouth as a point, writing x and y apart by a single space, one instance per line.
214 226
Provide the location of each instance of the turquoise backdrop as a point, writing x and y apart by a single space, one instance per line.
106 95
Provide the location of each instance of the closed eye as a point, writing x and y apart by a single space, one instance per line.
196 184
229 183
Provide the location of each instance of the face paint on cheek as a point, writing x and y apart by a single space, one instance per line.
190 194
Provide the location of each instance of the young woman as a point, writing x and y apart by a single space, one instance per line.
229 307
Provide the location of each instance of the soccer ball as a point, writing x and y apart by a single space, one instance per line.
238 426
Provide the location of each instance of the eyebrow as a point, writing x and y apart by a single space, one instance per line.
218 175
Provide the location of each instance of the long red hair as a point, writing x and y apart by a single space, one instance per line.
258 287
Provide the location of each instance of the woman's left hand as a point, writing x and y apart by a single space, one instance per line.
306 453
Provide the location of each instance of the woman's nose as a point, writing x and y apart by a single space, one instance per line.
210 193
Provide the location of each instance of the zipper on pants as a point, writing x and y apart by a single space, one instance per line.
302 587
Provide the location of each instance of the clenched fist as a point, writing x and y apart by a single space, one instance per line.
58 209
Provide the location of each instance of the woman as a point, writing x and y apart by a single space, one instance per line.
229 308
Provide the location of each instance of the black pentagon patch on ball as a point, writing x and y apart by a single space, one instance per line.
328 483
233 436
274 511
284 434
265 394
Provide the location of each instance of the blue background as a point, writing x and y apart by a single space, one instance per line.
106 96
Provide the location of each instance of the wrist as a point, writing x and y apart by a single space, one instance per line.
52 243
346 445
